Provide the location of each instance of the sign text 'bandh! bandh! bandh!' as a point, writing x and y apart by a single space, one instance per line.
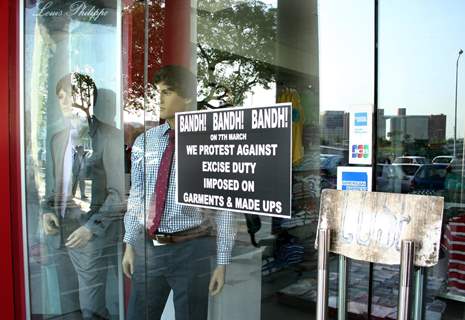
237 159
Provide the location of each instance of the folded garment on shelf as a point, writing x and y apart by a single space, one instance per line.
454 243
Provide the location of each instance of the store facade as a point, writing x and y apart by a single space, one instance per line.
89 87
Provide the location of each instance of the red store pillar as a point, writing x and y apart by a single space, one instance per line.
12 293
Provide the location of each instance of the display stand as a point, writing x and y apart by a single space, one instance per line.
406 269
355 238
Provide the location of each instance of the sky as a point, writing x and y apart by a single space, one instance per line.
346 56
419 42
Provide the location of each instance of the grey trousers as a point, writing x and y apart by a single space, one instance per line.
82 186
181 267
89 266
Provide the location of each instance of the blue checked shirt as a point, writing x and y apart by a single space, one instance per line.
176 217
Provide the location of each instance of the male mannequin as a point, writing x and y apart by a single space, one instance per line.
86 238
156 266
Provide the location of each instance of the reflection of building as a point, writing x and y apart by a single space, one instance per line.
334 127
406 128
403 127
381 130
437 127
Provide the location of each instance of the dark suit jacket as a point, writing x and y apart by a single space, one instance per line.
106 167
80 164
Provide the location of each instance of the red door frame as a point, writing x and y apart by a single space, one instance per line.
6 267
12 295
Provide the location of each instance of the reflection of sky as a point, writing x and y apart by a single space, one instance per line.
259 96
272 3
419 42
346 39
418 45
93 51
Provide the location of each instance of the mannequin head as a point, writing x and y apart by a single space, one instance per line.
177 88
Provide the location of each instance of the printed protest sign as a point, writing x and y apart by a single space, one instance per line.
237 159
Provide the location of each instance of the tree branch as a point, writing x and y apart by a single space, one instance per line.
204 53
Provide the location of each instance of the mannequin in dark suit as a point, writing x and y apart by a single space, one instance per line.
87 238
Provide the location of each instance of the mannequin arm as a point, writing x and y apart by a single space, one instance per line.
217 280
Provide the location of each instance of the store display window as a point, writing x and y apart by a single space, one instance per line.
106 236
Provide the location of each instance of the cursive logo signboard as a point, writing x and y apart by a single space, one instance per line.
78 9
370 226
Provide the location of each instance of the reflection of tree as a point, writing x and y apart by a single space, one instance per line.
83 91
133 52
235 50
395 135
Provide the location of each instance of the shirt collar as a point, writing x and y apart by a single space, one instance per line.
165 128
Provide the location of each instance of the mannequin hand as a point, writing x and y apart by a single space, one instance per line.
50 223
128 261
79 238
217 280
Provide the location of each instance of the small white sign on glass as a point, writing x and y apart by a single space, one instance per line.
360 135
354 178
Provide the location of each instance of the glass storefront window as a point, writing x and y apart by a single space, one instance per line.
74 162
103 79
346 60
100 79
420 133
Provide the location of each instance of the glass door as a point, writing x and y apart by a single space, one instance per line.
106 238
73 144
236 54
421 128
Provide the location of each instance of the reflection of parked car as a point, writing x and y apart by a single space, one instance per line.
327 155
455 179
408 169
429 179
408 172
395 177
388 178
443 159
330 163
328 169
410 159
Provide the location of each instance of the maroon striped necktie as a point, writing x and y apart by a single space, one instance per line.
157 206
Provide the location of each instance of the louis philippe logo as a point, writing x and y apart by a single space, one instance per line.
76 9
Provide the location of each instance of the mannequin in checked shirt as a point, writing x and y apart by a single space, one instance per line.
156 269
